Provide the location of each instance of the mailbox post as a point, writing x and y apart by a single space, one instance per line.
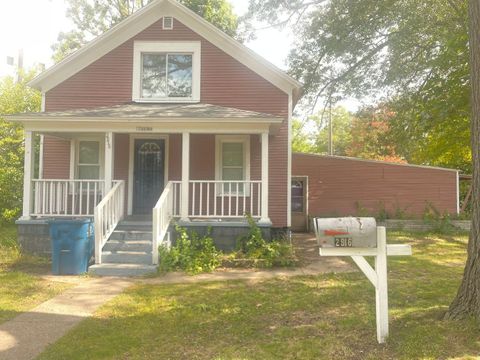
357 238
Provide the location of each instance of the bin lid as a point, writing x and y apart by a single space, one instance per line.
70 221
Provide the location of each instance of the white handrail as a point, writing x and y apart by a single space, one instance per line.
108 213
163 212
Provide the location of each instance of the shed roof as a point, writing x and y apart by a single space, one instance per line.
337 157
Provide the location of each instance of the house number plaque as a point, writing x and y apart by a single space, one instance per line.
143 129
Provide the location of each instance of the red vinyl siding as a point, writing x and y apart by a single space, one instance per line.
339 186
56 158
224 82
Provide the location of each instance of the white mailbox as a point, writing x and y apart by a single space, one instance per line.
346 232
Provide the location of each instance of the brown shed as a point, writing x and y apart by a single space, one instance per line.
341 186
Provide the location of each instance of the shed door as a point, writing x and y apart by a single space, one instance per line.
149 174
299 204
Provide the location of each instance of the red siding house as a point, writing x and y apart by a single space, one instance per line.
164 117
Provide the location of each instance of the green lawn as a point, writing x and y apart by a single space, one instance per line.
21 284
323 317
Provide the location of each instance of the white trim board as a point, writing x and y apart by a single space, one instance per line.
131 158
133 127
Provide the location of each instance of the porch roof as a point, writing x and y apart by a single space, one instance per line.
151 112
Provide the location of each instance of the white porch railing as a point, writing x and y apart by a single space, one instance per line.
108 213
166 208
62 198
225 199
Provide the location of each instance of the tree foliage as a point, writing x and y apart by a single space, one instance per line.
371 136
301 139
366 134
341 129
14 98
92 18
412 55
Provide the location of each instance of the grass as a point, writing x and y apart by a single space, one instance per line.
321 317
21 284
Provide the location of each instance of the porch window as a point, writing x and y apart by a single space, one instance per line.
166 75
88 166
233 162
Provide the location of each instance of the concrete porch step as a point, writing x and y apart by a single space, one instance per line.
134 226
131 235
127 257
128 245
109 269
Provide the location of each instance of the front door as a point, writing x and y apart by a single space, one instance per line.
299 204
148 174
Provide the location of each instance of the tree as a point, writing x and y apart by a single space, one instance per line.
371 136
92 18
301 140
14 98
467 301
412 55
341 129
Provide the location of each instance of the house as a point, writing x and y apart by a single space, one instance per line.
331 186
164 117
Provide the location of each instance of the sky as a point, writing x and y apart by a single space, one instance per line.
33 25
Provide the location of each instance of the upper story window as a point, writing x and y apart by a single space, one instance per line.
166 72
166 75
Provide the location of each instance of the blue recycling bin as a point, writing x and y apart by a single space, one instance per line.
72 246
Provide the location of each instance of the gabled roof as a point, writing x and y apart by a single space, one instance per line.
147 16
151 111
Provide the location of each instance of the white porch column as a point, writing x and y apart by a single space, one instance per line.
109 154
185 176
264 210
28 175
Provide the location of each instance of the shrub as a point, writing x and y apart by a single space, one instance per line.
253 246
192 253
441 223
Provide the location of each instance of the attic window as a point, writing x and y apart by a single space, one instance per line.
167 23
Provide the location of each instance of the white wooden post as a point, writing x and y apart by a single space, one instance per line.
377 276
28 175
264 218
109 153
185 176
381 290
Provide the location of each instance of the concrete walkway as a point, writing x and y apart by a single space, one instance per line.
27 335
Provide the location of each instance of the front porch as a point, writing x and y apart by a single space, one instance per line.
209 172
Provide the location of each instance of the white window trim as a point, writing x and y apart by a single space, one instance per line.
221 139
76 148
140 47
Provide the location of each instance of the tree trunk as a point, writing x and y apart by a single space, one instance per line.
467 301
